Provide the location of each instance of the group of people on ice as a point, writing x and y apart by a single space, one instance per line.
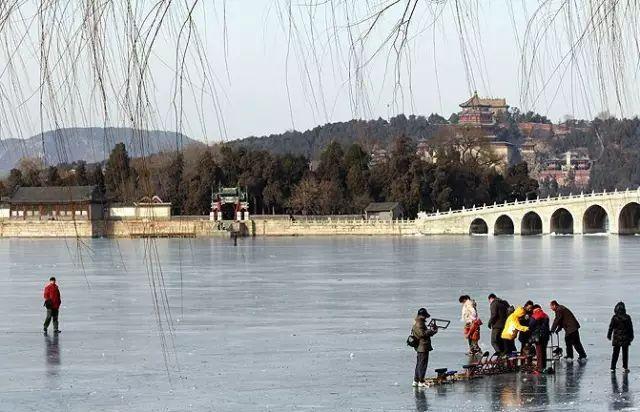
530 325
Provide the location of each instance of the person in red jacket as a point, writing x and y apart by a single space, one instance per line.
539 336
52 302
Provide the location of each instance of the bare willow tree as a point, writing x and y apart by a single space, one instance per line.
587 51
70 63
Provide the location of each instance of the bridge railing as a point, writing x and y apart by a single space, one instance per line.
582 195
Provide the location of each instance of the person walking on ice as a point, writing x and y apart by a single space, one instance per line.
621 335
52 302
566 320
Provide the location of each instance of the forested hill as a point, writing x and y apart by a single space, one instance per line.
89 144
366 132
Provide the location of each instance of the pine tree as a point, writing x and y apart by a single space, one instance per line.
118 174
97 179
332 164
15 179
81 174
207 178
53 177
175 187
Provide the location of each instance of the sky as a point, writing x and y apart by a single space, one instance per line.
268 93
268 72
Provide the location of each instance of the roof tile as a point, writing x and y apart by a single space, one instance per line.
52 195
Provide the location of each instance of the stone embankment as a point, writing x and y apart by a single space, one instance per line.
198 227
46 228
160 228
333 226
110 228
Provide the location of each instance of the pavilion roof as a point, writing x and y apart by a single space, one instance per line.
476 101
381 206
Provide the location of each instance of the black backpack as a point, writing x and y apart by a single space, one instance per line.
510 308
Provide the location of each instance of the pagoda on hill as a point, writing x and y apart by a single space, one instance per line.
480 111
483 114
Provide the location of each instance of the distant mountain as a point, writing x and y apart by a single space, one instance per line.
89 144
366 132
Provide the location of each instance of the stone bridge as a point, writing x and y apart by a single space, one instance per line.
615 212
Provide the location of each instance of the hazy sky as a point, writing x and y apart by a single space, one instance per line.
280 73
257 101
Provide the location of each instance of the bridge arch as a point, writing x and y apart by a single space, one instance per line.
479 227
595 220
629 220
562 222
531 224
503 226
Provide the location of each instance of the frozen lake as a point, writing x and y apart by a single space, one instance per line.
298 324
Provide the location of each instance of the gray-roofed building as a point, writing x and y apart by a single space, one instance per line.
384 211
57 203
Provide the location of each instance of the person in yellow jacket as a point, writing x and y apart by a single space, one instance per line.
511 328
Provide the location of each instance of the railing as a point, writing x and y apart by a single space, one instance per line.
355 222
306 217
190 217
582 195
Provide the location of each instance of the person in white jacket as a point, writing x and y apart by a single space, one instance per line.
471 322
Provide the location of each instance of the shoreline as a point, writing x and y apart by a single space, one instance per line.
262 226
197 227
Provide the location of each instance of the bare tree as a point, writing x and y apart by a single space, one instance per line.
589 49
471 144
97 63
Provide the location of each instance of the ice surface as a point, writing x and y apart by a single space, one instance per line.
304 324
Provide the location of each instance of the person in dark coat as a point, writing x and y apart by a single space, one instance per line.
566 320
539 336
498 309
423 333
621 335
52 302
